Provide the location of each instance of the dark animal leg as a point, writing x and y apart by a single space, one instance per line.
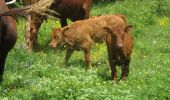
87 58
125 69
124 72
86 8
63 22
68 55
111 59
2 64
112 64
35 28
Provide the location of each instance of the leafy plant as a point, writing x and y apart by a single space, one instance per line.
160 7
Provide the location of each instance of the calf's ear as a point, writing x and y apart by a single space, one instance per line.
65 29
107 29
128 28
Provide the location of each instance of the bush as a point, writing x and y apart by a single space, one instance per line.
160 7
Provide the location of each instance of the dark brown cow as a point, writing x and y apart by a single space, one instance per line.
72 9
8 36
110 28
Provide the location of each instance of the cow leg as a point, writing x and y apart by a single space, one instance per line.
36 24
68 55
63 22
86 8
111 58
87 58
2 64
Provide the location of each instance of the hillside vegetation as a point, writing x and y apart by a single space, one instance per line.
43 76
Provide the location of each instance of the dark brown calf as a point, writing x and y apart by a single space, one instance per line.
120 56
71 9
8 36
82 34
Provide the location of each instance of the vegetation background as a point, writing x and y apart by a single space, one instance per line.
42 75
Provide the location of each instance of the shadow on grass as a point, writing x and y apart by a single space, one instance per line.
15 84
46 48
97 2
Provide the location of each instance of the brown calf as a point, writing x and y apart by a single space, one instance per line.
120 56
8 36
82 34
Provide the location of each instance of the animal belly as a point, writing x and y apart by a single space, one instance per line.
99 40
67 8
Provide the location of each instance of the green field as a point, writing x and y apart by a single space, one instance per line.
42 74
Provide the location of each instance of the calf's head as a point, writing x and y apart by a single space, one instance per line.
117 37
56 38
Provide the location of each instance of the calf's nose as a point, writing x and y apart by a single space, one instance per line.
120 45
51 45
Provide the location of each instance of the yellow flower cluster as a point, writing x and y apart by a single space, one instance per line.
163 21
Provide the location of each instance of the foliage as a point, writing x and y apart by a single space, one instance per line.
42 74
160 7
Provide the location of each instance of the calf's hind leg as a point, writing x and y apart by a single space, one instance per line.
68 55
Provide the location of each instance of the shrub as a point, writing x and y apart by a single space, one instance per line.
160 7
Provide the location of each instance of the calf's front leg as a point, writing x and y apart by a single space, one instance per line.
124 72
125 69
87 58
111 58
112 64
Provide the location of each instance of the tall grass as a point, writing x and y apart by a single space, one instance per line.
42 75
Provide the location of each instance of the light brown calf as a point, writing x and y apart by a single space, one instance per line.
82 34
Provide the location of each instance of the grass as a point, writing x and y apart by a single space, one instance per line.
42 75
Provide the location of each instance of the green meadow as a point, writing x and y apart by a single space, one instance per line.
42 75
